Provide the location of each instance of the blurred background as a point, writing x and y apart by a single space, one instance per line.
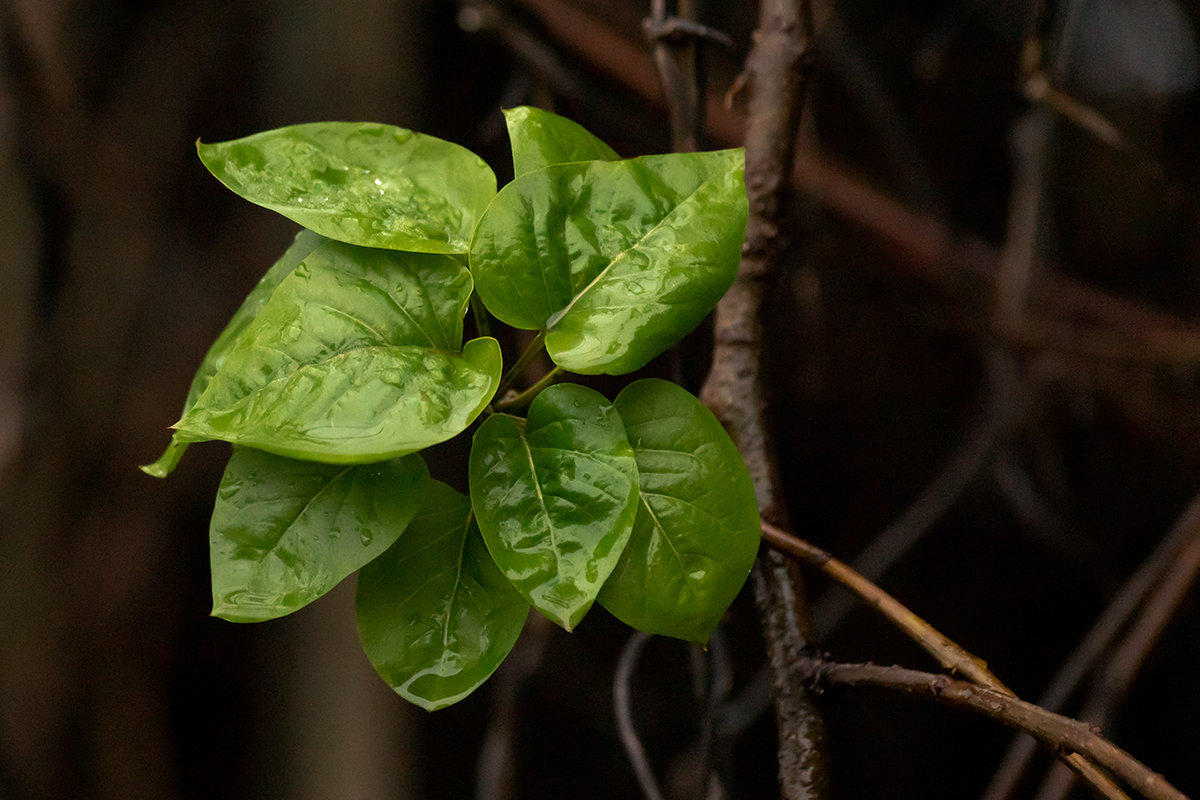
985 366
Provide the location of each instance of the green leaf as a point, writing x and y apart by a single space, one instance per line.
285 532
306 241
360 405
435 614
540 139
363 183
614 260
352 360
555 497
697 528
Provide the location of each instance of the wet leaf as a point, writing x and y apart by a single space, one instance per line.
363 183
540 138
555 497
285 532
435 614
305 243
352 360
614 260
697 527
363 404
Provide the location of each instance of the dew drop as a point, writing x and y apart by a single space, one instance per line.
365 537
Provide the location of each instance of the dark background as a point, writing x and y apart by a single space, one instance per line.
120 259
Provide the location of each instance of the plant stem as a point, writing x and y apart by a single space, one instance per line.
531 352
483 325
526 397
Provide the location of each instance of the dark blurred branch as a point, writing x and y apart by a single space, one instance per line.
676 56
777 77
623 709
498 758
1056 732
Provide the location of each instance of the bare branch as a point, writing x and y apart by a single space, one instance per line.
1053 730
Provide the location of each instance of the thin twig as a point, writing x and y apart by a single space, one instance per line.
532 351
1057 732
519 401
1123 666
623 709
947 652
1106 628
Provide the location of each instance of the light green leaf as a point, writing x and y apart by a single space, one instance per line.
697 528
555 497
614 260
363 404
352 360
306 241
285 532
358 182
540 139
435 614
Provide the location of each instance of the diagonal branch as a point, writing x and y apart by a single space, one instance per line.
947 652
1055 731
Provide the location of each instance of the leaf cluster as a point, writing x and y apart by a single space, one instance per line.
347 360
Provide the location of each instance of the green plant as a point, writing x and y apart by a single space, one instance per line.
347 360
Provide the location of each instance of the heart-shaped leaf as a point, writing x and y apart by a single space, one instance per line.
305 243
614 260
435 614
364 183
540 139
697 528
285 532
352 360
555 497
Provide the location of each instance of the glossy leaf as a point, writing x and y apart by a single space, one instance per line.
363 404
352 360
555 497
615 261
435 614
305 243
540 138
363 183
697 528
285 532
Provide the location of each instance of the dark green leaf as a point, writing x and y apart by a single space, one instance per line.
285 532
306 241
540 139
364 183
435 614
697 527
555 497
352 360
615 261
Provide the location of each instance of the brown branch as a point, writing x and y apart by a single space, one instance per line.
947 652
1057 732
733 390
1173 585
1106 628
